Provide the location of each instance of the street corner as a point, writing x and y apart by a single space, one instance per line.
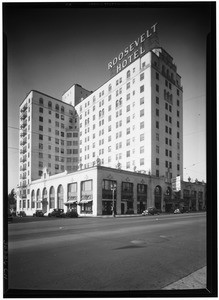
196 280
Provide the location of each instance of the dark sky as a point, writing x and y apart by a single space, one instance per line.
51 47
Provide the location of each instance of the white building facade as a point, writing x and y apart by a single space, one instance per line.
128 132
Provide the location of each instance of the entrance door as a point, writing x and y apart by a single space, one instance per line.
122 208
107 207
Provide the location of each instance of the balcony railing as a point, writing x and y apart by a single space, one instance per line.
23 117
24 108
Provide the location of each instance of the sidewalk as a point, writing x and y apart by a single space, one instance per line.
196 280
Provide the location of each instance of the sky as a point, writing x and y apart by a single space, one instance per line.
52 47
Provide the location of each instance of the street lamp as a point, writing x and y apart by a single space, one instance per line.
113 188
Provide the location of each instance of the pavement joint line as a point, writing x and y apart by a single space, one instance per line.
195 280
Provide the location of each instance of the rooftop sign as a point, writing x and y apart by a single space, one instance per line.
136 49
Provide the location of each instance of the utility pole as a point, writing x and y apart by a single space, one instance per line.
113 188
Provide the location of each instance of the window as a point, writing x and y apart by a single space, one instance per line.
141 137
57 116
157 137
166 164
41 101
166 152
178 168
128 74
177 113
178 124
157 149
157 112
157 161
142 100
40 119
40 109
40 146
157 100
128 130
141 161
157 76
157 173
141 112
87 185
40 137
157 124
157 87
142 89
177 102
177 92
128 85
57 107
142 149
128 153
128 119
127 96
170 130
141 76
49 104
178 135
127 108
141 125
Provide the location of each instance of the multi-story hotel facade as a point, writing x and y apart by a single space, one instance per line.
128 133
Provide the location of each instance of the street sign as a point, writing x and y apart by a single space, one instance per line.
176 184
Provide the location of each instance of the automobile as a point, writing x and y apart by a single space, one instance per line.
38 213
59 213
71 214
151 211
181 210
21 214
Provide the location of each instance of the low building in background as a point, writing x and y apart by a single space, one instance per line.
91 192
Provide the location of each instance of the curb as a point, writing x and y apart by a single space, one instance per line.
196 280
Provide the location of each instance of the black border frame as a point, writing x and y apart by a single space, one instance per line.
212 277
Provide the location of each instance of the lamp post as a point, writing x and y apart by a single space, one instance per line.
113 188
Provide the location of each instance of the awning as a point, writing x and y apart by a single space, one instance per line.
70 202
84 201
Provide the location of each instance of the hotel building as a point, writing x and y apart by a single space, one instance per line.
128 132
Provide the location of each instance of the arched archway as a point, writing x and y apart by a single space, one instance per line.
157 196
38 199
44 200
52 197
33 199
60 196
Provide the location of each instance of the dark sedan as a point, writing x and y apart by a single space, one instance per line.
38 213
59 213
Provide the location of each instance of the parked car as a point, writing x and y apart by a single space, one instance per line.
59 213
38 213
71 214
151 211
21 214
181 210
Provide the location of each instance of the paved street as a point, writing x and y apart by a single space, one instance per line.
106 254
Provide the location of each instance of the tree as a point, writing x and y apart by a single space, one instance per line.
12 197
